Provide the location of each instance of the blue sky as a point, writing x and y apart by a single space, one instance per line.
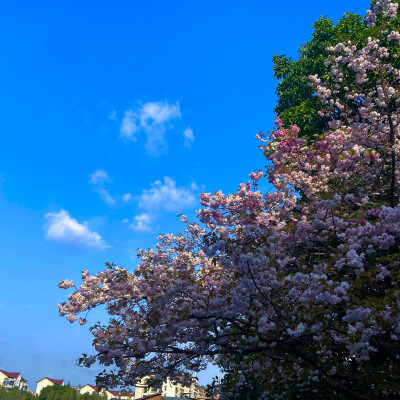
114 116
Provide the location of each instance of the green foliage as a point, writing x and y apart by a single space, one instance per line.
56 392
50 393
92 396
67 393
297 103
14 394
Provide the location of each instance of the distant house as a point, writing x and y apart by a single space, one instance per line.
89 389
48 382
111 394
23 385
11 380
188 389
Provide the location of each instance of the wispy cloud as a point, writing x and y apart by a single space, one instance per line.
153 118
128 126
64 229
107 198
98 179
189 136
127 197
167 196
162 196
142 223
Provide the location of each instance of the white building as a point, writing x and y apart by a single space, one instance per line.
109 394
169 389
11 380
126 396
88 389
47 382
112 394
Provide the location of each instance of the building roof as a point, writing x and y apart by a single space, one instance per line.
23 379
114 392
55 381
92 386
10 374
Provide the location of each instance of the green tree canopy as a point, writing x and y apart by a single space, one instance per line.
67 393
56 392
14 394
297 103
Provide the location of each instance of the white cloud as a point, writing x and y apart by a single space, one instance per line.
151 118
107 198
167 196
162 196
99 177
194 187
142 223
189 136
158 113
64 229
127 197
128 126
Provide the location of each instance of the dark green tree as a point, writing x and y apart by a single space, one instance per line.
92 396
296 102
12 394
50 393
56 392
15 394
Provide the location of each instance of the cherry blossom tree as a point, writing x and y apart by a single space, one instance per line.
293 292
